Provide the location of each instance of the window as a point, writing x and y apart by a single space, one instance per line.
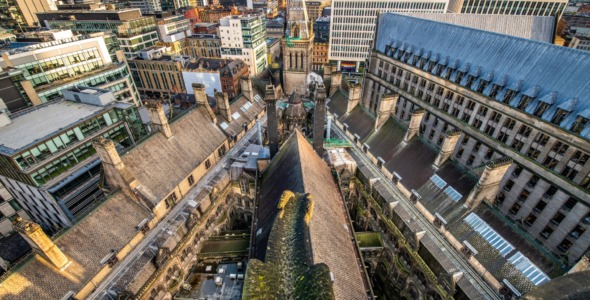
577 232
495 117
470 105
560 148
533 153
524 130
508 96
542 139
530 220
570 203
579 124
191 180
524 195
514 209
517 145
569 173
482 85
221 151
540 206
509 123
564 245
524 102
550 162
546 233
557 218
171 200
459 152
533 181
495 90
207 164
541 108
482 111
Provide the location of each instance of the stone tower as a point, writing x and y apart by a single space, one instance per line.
319 118
41 244
297 47
272 127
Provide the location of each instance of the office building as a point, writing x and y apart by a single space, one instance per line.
48 162
157 73
265 7
244 37
552 8
202 45
147 7
41 72
173 28
353 25
133 31
315 8
9 211
20 15
580 43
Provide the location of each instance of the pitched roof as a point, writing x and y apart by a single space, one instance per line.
110 226
546 72
159 164
243 111
299 169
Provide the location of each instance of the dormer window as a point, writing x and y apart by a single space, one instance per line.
524 102
422 63
470 80
431 66
579 124
541 108
439 70
482 85
406 56
508 96
560 114
448 73
459 77
495 90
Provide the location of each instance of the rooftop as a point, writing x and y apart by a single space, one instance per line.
41 122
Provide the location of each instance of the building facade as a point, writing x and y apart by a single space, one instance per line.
297 46
20 15
321 30
53 170
218 75
173 28
315 8
157 73
501 110
133 31
244 37
202 45
580 43
553 8
353 25
41 72
9 211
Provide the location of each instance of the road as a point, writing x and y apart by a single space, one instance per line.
453 255
101 291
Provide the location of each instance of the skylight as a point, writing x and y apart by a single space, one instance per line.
489 234
453 193
438 181
524 265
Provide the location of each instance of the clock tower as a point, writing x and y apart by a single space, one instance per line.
297 46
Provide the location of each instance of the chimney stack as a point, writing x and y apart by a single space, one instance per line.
319 117
354 96
202 100
489 181
159 119
448 146
116 173
414 125
272 129
41 244
386 108
335 82
223 105
246 86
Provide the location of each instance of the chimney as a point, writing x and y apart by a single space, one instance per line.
202 101
386 108
272 129
41 244
414 126
489 181
335 82
319 117
246 86
223 105
354 96
115 171
448 146
7 60
159 119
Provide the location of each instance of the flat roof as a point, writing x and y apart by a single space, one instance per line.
39 123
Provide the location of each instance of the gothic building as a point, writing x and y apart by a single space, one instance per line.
297 48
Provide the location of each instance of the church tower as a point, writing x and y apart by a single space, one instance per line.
297 47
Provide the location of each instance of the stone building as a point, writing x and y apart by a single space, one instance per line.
436 115
297 46
222 75
202 45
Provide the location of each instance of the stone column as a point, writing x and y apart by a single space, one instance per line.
414 125
489 181
386 108
319 117
272 129
41 244
448 146
159 120
223 105
202 100
354 96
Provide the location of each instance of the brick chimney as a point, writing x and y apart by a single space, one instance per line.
319 117
246 86
386 108
223 105
116 173
354 96
489 181
202 101
272 129
414 125
159 119
41 244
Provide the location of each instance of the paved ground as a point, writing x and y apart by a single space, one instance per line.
102 290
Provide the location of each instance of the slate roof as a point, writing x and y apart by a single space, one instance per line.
570 286
298 168
110 226
359 122
538 28
338 102
548 73
243 111
159 164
